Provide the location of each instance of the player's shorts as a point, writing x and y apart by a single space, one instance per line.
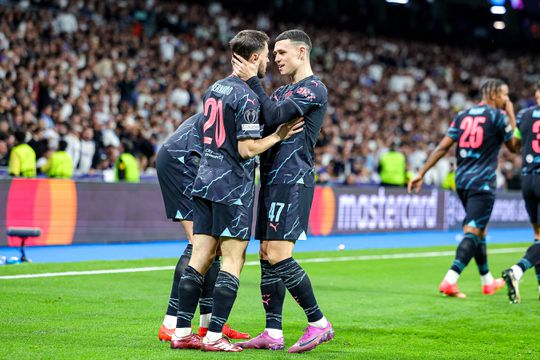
530 187
176 182
283 212
220 220
478 206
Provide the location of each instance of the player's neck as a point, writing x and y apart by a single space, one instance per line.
489 103
302 73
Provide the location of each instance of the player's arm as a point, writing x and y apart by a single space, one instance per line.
512 144
249 148
274 113
441 150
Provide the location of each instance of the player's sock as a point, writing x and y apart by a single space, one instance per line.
487 279
531 258
451 276
206 302
172 308
189 292
273 296
225 292
465 251
322 323
518 271
480 257
298 284
274 333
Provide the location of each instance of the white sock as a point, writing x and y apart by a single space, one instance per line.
181 332
451 276
518 273
213 336
487 279
169 321
274 333
204 320
320 323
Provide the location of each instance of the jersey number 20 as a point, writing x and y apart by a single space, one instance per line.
473 132
213 110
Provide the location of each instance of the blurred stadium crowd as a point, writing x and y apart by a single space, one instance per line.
99 74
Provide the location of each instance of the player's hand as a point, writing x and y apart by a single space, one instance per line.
285 131
243 68
415 184
509 107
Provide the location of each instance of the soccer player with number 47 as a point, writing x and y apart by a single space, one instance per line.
479 133
287 183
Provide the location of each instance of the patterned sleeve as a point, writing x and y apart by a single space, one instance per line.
247 118
314 94
453 130
505 129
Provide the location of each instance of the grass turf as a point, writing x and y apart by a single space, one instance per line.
380 309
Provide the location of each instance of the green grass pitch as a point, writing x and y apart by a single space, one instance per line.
380 309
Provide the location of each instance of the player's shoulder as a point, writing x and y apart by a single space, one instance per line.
311 89
533 111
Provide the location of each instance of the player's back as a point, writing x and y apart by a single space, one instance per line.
231 113
187 140
479 132
528 124
292 161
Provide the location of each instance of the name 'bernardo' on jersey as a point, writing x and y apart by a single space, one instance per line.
222 89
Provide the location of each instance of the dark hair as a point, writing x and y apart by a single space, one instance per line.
62 145
538 85
490 86
20 136
295 35
247 42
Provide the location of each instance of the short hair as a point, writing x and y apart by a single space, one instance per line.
20 136
538 85
62 145
295 35
247 42
489 86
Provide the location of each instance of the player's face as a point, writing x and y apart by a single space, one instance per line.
501 97
263 63
287 56
537 96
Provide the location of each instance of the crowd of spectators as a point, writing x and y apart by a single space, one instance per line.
100 73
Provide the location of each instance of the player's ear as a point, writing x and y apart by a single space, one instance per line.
254 58
302 52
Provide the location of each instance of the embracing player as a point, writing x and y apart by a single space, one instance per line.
177 163
287 186
223 194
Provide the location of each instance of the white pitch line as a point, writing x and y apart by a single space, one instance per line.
417 255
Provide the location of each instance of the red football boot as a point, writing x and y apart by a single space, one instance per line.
227 331
192 341
165 334
222 344
451 290
495 286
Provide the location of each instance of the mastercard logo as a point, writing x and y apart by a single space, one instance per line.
48 204
323 211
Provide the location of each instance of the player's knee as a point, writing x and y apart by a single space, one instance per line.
472 230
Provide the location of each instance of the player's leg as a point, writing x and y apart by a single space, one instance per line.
466 250
513 275
272 290
190 287
225 292
288 218
169 322
174 178
205 301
